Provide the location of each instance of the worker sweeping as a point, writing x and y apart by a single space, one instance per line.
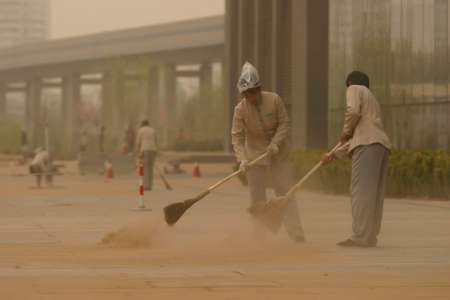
261 124
369 148
41 166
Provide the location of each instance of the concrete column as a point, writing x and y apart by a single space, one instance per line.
275 41
167 98
299 58
107 111
310 71
34 124
117 98
247 31
152 105
231 65
291 40
113 109
2 99
71 94
263 45
205 81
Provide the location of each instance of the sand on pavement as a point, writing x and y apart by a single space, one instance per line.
83 239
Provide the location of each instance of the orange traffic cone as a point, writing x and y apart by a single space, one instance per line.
196 171
109 172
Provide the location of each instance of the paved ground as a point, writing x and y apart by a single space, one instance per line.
82 240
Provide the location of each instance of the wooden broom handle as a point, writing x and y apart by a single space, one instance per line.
312 171
250 164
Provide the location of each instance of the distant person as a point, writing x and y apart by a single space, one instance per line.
146 147
261 124
24 145
83 141
130 139
41 166
369 148
101 139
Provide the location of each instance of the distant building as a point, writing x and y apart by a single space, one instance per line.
23 21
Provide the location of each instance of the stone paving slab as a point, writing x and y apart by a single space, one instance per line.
51 245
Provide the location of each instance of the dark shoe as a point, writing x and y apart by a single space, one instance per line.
350 243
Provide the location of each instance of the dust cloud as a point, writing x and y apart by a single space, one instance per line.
143 234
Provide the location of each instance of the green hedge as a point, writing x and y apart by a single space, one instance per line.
9 136
411 173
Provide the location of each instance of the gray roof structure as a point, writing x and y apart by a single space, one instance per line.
166 40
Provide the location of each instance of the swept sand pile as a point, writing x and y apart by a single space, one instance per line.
143 234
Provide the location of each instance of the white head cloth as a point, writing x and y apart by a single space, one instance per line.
249 78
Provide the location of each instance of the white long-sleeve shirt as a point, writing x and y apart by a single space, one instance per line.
363 119
40 159
146 139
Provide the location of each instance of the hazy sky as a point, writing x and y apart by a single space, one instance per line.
78 17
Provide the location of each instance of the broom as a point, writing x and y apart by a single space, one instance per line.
272 213
174 211
163 178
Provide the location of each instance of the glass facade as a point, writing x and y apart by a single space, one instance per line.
403 45
23 21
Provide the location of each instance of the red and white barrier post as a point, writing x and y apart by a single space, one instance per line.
141 185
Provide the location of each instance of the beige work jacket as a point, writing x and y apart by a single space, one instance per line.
363 122
255 126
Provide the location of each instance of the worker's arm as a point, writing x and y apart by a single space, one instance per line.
352 113
238 134
284 125
341 152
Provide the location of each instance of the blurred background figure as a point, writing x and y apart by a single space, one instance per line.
101 139
146 147
129 139
83 141
24 145
41 165
109 171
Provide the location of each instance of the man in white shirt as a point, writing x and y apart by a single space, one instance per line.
147 147
40 165
369 147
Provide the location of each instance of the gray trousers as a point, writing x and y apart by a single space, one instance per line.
369 170
149 161
280 176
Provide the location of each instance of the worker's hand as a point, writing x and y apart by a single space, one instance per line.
327 158
272 149
243 167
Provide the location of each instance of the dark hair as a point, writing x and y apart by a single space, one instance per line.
358 78
144 123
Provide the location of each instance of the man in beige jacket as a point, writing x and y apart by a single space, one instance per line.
261 124
369 147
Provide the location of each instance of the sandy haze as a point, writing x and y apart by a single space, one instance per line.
73 18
